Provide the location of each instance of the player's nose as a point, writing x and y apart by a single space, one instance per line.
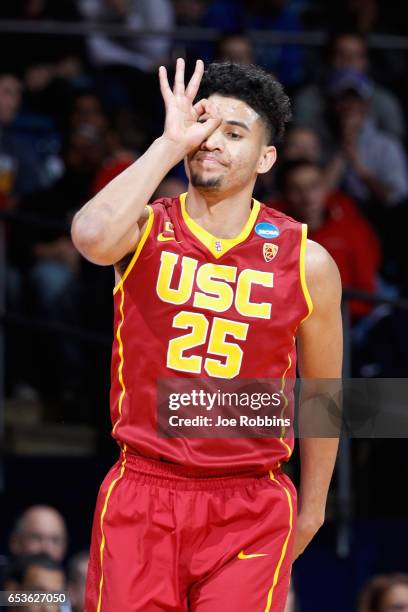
213 142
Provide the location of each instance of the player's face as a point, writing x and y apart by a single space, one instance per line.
235 153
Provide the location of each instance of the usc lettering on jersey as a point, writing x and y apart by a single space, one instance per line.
192 305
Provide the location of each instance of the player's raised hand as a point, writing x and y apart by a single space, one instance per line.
181 124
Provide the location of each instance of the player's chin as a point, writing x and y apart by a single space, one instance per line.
206 180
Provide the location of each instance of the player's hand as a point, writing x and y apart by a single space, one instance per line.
307 527
181 125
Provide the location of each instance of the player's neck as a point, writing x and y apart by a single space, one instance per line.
223 216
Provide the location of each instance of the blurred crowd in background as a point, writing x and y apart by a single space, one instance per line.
75 111
38 546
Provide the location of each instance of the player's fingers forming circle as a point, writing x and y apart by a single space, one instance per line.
194 84
179 88
201 107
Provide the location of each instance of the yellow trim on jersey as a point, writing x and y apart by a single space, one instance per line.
123 465
310 310
121 355
105 507
285 405
140 246
303 272
210 241
285 544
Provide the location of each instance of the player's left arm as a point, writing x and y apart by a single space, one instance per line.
320 340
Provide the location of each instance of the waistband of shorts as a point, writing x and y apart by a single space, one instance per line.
151 471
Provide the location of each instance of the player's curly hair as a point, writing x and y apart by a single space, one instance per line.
254 86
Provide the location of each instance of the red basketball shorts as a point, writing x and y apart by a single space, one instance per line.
165 541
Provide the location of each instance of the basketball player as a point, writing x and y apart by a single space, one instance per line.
211 284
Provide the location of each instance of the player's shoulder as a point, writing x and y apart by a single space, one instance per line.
320 266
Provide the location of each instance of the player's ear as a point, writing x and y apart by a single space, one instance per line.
266 159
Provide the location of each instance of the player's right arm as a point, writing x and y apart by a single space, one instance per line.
108 227
320 365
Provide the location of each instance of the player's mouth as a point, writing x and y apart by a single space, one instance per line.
208 160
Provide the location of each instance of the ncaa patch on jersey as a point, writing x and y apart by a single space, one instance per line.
267 230
269 251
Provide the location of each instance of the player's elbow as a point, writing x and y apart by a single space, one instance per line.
90 238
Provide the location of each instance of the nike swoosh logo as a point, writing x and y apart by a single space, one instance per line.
242 555
162 238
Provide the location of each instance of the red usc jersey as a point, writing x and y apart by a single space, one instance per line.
192 305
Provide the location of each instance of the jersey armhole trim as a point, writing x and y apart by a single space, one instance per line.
139 248
302 261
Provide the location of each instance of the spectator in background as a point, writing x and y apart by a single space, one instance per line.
234 17
46 51
368 164
110 169
286 61
37 572
302 142
49 87
386 593
19 175
190 12
142 53
224 15
348 51
363 15
39 530
19 165
334 222
87 109
50 65
48 248
126 67
76 580
170 187
52 267
53 272
235 47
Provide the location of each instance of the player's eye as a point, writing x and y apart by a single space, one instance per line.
234 135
